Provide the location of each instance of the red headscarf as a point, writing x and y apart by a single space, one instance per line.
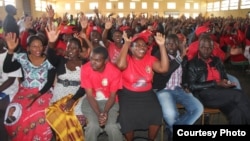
65 29
142 35
201 29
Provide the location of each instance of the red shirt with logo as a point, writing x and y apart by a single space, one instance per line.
139 74
102 83
114 52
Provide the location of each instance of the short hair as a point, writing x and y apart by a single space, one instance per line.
101 50
77 42
174 37
206 37
115 30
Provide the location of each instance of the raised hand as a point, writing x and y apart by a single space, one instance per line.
125 37
160 39
108 24
11 41
28 22
83 21
52 32
50 11
119 21
96 10
83 35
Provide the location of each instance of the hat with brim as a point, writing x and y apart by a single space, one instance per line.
144 35
67 29
201 29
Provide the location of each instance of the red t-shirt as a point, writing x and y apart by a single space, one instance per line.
213 73
114 52
102 83
229 40
139 74
193 51
247 42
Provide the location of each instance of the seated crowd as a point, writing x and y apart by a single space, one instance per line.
72 79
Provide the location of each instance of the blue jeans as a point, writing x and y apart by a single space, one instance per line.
168 100
235 80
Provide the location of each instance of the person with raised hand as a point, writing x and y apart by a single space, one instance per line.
68 78
139 106
34 93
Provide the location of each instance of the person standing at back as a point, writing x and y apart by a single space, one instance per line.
9 23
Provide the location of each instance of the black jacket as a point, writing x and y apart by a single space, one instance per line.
197 73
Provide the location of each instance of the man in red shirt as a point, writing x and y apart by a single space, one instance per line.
217 51
101 80
207 79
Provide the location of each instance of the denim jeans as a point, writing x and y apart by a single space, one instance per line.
168 100
234 80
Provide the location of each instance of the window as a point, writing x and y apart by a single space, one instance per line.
187 15
196 5
11 2
77 6
67 6
132 5
120 5
187 5
144 5
93 5
108 5
40 5
217 6
224 5
156 5
195 15
171 5
171 14
245 4
44 5
209 6
120 14
234 4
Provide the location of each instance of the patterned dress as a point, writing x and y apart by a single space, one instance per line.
61 91
25 123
